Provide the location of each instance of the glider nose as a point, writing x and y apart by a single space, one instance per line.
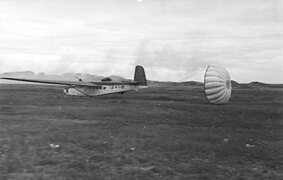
66 90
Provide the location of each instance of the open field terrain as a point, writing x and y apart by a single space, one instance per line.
161 133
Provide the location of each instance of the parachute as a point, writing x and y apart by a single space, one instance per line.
217 85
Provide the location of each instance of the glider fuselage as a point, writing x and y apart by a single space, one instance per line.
101 90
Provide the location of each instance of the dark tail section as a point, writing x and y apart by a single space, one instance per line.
140 76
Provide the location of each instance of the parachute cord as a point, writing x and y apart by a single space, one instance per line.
193 76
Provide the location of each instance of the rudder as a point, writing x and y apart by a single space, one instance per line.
140 76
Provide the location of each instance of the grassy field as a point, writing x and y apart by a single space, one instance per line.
160 133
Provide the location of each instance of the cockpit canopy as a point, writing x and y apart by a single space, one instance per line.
107 79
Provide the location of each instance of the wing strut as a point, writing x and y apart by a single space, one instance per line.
81 92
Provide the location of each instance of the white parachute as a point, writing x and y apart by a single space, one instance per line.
217 85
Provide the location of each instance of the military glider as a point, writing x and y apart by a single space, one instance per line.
105 86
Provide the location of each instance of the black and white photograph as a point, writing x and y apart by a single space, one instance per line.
141 89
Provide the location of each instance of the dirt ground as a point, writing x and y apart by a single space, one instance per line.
166 133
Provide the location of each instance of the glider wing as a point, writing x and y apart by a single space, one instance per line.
68 83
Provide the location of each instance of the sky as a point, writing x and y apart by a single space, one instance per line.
173 39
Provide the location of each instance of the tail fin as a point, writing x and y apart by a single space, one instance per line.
140 76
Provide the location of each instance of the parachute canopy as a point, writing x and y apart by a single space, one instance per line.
217 85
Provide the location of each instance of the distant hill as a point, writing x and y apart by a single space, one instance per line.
191 83
173 84
161 83
257 85
235 84
20 74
